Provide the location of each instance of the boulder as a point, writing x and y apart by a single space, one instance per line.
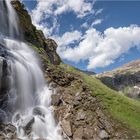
26 124
39 111
78 97
56 100
7 131
78 134
103 135
10 128
88 133
81 115
16 118
66 126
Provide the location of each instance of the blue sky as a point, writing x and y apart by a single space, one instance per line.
95 36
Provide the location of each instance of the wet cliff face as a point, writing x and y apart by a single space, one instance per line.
34 36
5 82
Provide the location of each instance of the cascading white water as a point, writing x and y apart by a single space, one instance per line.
32 98
29 99
8 19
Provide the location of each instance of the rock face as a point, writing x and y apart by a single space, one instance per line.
50 48
125 79
34 36
29 31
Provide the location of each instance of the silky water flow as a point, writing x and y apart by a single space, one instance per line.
28 100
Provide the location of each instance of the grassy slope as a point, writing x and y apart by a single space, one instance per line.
120 107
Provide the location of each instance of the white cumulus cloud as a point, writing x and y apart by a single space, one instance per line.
51 9
68 38
100 49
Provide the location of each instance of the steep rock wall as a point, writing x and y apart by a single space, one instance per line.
34 36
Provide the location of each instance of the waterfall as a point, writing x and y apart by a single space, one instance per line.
8 19
25 99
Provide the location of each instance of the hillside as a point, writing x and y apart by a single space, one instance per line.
112 114
125 79
85 108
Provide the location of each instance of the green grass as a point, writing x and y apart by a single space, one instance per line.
41 53
120 107
37 49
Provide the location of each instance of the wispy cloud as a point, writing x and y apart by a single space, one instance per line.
68 38
85 25
96 22
99 11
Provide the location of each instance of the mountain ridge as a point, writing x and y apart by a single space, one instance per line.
125 79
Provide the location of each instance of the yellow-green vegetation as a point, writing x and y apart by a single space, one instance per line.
120 107
41 52
37 49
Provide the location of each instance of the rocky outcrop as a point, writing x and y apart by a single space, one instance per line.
36 37
7 131
81 116
50 48
125 79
